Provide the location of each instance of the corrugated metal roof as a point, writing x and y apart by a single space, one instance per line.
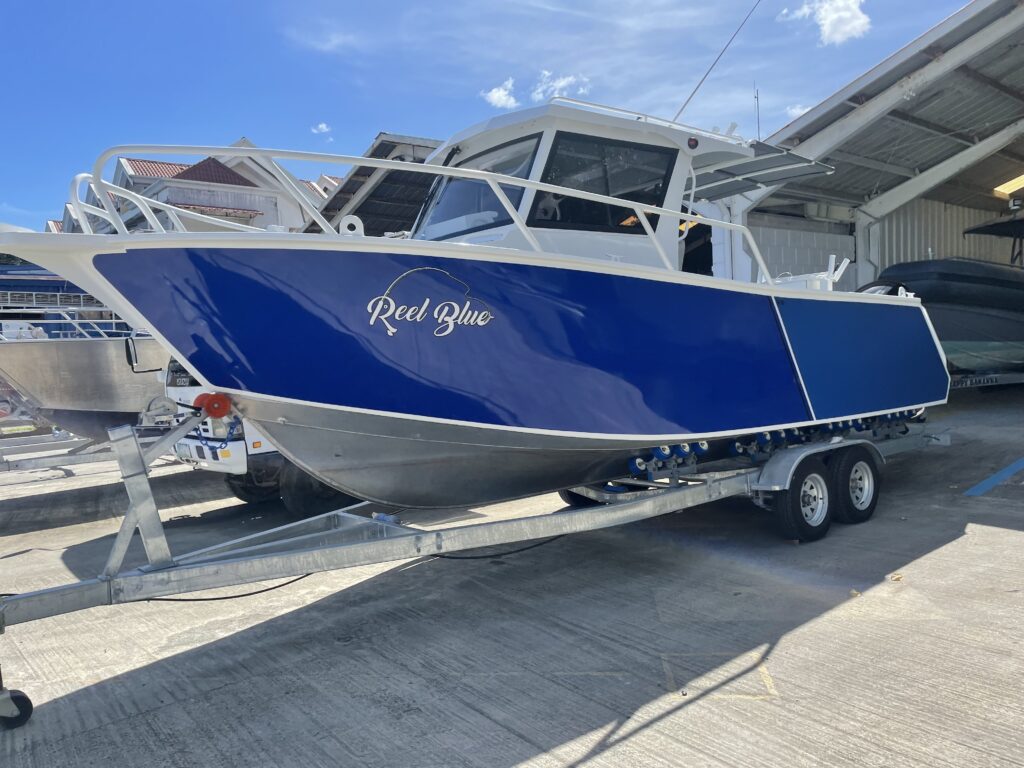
932 124
393 199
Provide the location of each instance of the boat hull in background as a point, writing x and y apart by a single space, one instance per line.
977 309
83 385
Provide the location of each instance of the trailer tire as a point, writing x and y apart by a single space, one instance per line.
804 511
858 482
246 489
305 496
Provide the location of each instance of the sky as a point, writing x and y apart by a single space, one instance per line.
77 78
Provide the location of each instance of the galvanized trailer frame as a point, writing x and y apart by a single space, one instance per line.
368 533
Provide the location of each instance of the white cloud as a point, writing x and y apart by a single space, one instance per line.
793 111
320 128
500 96
837 20
548 86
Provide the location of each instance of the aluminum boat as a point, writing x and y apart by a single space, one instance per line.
70 367
539 328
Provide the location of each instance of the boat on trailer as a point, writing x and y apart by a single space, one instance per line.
533 332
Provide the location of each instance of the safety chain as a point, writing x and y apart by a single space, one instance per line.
235 424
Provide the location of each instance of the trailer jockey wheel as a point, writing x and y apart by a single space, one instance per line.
305 496
804 511
245 488
858 481
15 708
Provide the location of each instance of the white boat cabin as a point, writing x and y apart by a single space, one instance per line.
606 152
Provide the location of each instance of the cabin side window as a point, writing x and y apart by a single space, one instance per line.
637 172
459 206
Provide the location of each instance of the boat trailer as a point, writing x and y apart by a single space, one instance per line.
369 533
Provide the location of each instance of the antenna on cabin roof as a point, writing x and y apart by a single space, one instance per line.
715 62
757 109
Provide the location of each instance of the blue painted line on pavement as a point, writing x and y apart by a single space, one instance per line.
1001 476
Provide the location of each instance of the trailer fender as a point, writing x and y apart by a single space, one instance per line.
777 473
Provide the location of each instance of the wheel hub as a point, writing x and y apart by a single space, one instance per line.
814 499
862 485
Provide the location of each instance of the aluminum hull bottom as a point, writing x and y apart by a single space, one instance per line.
91 424
406 463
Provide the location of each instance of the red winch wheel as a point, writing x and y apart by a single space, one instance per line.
216 404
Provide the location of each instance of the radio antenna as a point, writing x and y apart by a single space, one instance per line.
715 62
757 109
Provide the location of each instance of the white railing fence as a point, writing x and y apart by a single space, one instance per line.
106 193
35 323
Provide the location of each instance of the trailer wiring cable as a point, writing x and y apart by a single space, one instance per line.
222 597
534 545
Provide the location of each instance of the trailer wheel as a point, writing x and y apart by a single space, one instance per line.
804 511
305 496
24 706
249 491
857 480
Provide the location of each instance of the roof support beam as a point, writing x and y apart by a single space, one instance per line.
992 83
874 109
875 165
944 133
927 41
863 115
937 174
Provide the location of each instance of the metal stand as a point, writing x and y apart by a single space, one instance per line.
362 534
77 450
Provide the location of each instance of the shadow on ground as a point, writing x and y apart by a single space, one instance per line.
492 662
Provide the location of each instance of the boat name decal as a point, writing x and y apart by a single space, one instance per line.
448 314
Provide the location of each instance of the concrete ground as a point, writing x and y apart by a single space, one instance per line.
693 639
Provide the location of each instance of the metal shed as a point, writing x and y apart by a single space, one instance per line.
385 200
919 144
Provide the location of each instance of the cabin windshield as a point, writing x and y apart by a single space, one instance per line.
458 206
637 172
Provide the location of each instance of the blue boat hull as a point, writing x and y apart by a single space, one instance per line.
432 368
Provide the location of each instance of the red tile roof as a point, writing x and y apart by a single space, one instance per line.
156 168
213 171
312 185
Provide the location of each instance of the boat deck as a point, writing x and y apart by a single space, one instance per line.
698 639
